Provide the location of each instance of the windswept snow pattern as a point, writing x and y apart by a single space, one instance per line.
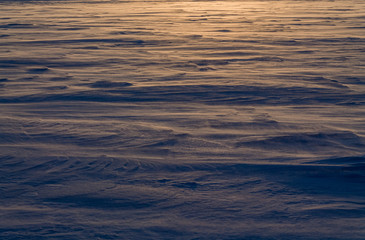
182 119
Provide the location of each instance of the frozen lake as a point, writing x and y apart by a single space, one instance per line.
182 119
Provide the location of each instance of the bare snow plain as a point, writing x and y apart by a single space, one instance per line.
182 119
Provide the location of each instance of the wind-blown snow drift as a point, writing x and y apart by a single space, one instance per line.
182 120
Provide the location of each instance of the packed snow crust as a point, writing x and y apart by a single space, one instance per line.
182 119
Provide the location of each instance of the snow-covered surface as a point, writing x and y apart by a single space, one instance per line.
182 120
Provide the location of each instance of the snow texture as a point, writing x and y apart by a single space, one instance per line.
182 119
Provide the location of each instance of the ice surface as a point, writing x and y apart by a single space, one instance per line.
182 119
